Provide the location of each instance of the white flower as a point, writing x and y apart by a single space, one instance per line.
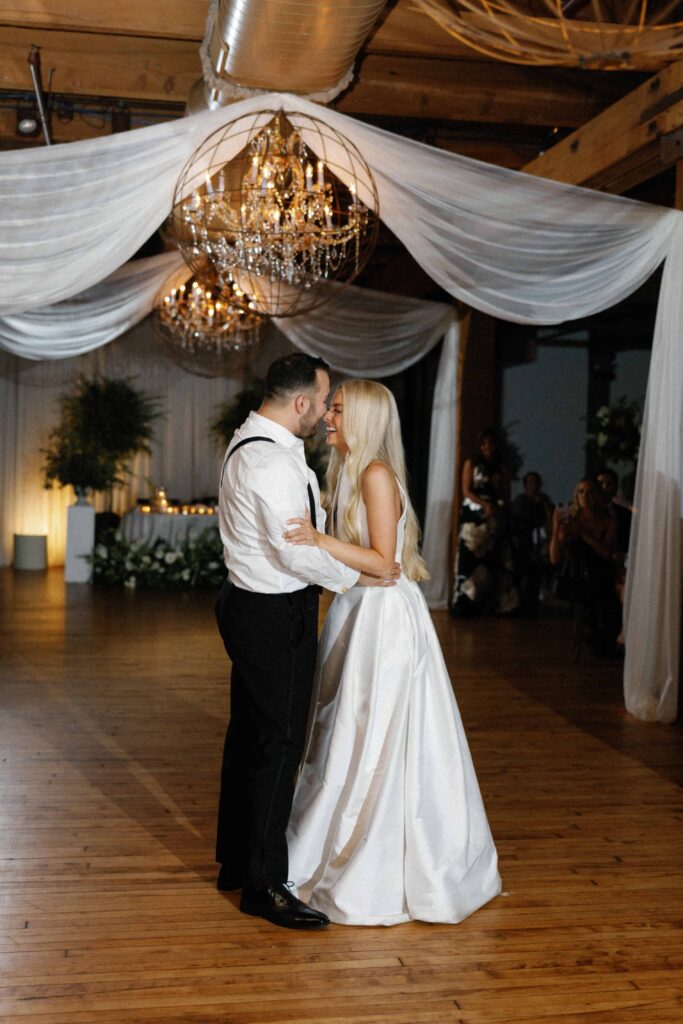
603 413
146 559
102 551
170 557
159 554
213 565
602 440
185 574
130 582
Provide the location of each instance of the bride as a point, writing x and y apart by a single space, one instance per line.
388 823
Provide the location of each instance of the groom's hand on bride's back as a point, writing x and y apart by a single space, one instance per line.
387 579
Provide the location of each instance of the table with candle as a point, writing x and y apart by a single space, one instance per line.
174 525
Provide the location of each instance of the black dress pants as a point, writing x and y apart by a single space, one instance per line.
272 641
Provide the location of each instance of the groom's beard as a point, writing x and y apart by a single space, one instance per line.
308 425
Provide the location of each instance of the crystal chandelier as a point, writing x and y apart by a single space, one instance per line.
640 34
277 218
210 329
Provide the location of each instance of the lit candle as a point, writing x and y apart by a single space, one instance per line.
254 170
209 186
328 217
309 177
276 221
321 180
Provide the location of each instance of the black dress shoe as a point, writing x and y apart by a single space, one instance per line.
228 881
280 906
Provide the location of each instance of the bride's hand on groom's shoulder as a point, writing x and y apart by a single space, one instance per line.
302 532
388 579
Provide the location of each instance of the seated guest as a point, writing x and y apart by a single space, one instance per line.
617 506
584 543
531 522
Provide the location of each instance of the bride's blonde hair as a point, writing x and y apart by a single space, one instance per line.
372 432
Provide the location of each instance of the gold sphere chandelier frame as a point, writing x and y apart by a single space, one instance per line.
623 34
277 202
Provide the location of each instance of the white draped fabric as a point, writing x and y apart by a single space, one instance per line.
91 319
185 457
359 332
519 247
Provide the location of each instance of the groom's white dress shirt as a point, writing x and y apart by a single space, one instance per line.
262 486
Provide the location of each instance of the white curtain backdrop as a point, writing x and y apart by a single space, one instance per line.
516 246
359 332
185 457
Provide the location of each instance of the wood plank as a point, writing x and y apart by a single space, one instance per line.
177 19
113 709
480 91
625 144
102 65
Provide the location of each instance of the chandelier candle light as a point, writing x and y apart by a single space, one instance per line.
278 218
203 321
209 329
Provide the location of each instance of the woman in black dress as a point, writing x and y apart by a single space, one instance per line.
484 572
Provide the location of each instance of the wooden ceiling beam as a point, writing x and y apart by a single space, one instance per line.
174 19
480 91
628 143
102 65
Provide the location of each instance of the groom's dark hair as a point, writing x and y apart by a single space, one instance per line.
291 374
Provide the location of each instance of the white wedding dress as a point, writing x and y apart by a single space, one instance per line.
388 823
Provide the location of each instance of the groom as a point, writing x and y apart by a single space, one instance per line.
268 618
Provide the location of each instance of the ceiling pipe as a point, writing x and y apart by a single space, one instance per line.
34 64
301 46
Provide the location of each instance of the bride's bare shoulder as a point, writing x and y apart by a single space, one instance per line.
378 479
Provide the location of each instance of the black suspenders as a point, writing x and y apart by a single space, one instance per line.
248 440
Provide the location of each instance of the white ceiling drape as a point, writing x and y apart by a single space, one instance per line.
519 247
359 332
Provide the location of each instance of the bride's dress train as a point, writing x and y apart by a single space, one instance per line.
388 823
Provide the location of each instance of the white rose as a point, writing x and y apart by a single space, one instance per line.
130 582
170 557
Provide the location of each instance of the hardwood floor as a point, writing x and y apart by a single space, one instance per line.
112 711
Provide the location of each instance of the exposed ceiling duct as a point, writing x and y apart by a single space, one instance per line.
301 46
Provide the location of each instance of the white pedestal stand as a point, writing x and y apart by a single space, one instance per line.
80 542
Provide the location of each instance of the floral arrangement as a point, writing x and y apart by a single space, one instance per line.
614 431
198 562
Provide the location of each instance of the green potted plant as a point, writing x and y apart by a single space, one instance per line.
103 424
